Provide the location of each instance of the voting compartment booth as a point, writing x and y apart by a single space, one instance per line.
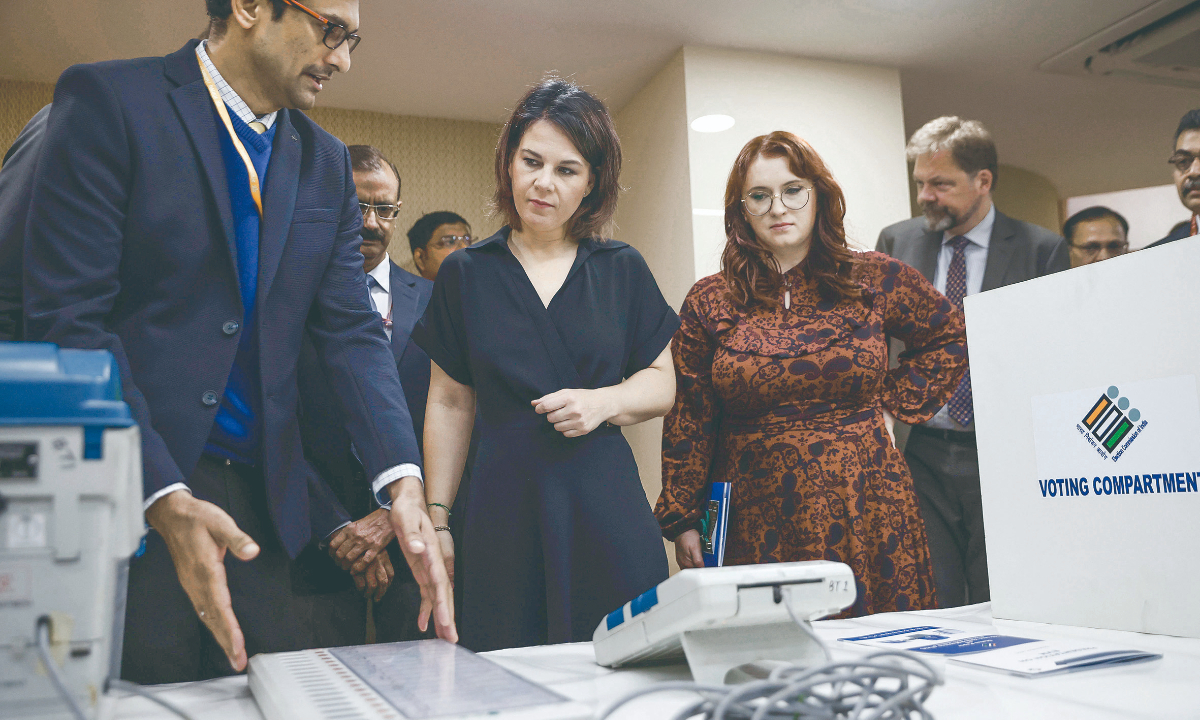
1088 426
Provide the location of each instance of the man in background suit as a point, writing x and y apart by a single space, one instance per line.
1185 162
181 218
16 182
433 237
963 245
399 298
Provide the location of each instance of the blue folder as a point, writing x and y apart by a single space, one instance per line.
714 524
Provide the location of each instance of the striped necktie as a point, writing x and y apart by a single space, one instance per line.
960 406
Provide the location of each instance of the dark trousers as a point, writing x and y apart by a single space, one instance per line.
945 471
164 640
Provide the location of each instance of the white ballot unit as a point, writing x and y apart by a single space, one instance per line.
70 517
1088 427
399 681
720 618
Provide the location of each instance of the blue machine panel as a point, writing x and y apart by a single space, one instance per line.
42 384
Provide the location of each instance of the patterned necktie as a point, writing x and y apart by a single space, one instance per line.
960 405
257 127
387 321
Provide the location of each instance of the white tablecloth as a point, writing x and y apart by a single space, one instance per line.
1167 688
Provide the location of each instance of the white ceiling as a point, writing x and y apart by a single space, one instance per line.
471 59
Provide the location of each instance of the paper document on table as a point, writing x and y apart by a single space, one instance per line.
434 679
1051 657
937 640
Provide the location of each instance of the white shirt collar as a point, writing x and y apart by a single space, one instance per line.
981 234
229 95
383 273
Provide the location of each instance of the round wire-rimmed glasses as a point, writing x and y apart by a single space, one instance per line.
794 197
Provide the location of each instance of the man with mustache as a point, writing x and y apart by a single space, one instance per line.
365 548
964 245
186 216
1185 162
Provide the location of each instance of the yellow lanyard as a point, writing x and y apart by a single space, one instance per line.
237 143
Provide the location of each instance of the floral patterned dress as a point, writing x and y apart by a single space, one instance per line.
786 404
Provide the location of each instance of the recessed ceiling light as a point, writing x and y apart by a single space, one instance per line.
712 123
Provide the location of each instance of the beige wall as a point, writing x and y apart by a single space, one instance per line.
445 164
19 101
851 114
655 216
1028 196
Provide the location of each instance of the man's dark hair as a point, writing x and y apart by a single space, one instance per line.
583 119
366 158
220 10
1190 121
1099 212
421 232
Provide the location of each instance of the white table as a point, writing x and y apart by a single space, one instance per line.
1162 689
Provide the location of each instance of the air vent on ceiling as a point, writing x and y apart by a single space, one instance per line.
1158 44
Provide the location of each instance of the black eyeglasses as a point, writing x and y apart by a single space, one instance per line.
335 33
1114 247
1182 160
383 212
446 242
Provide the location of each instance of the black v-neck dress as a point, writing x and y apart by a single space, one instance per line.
557 531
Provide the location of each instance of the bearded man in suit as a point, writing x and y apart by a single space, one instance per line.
963 245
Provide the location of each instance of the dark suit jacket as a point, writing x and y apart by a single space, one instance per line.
1179 232
16 183
130 247
1017 250
322 422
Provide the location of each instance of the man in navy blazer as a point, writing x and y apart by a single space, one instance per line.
16 180
187 217
399 298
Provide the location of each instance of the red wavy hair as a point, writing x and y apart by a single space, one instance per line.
750 270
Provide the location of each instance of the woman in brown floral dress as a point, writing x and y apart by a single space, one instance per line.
784 388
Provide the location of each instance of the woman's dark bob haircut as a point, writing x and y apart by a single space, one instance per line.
583 119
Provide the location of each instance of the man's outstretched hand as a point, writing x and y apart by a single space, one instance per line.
198 534
419 542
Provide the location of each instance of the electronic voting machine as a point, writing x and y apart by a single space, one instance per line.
399 681
722 617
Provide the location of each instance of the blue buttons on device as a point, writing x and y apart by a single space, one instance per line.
637 606
643 602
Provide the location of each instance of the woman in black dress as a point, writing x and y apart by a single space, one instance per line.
558 337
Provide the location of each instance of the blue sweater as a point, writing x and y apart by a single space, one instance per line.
236 431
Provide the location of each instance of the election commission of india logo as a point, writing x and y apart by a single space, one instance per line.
1111 426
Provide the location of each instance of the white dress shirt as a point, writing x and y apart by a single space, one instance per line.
975 253
381 289
231 98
